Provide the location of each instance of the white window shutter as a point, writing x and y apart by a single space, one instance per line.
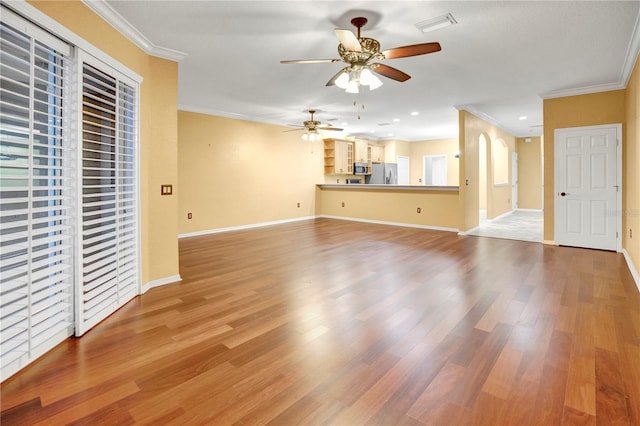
109 264
36 189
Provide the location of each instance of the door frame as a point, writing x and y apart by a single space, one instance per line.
556 171
514 181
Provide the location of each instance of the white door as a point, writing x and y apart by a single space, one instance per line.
403 170
514 181
587 187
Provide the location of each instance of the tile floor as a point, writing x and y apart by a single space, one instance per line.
523 225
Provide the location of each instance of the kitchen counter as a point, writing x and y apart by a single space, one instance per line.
388 187
432 207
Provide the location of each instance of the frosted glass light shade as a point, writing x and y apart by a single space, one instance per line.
343 80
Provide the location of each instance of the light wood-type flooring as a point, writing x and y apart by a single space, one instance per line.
345 323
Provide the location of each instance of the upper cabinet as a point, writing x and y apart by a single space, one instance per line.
377 153
361 151
338 157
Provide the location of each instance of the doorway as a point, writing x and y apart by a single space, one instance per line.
403 170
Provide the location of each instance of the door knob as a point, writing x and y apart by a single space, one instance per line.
562 194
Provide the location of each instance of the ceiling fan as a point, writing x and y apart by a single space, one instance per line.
312 127
360 53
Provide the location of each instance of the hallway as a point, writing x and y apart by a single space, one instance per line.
522 225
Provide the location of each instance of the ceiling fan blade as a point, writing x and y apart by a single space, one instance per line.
348 40
329 128
390 72
293 130
412 50
310 61
333 79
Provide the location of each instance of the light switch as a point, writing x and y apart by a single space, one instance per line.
166 189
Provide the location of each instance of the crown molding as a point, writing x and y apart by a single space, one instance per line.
632 53
106 12
487 118
585 90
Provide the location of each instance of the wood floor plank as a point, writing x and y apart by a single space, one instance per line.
335 322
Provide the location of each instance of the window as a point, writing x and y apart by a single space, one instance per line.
109 193
69 241
37 195
434 169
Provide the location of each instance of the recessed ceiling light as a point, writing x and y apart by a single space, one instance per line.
436 23
389 134
415 113
395 120
522 117
344 123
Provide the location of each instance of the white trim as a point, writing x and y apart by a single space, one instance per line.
109 14
632 53
383 222
632 268
528 210
556 171
160 282
241 227
489 119
586 90
53 26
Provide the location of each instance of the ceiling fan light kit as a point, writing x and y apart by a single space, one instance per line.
360 52
312 128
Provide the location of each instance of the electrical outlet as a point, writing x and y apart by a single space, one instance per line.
630 233
189 216
343 204
298 205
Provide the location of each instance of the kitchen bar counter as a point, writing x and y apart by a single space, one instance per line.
361 186
432 207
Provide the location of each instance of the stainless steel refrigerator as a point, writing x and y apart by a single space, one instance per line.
383 173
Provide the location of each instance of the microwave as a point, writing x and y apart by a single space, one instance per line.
360 169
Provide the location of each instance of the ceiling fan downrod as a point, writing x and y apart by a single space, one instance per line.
359 22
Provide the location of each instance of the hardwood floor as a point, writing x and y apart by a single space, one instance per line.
344 323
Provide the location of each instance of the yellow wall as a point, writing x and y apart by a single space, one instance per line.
437 207
498 197
529 173
630 166
234 173
574 111
446 147
158 132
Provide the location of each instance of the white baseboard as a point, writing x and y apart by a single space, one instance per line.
240 227
382 222
529 210
159 282
632 268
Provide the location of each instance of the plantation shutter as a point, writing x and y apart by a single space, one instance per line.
37 189
109 206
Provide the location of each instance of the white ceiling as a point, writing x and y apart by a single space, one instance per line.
499 61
